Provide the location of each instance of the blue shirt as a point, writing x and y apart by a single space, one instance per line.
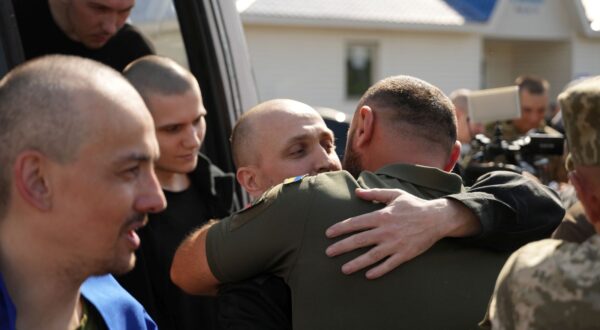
117 307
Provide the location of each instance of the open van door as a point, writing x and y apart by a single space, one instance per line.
217 55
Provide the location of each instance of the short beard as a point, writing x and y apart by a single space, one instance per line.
351 162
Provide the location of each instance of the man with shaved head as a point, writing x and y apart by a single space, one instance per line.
279 139
283 233
76 183
273 141
195 189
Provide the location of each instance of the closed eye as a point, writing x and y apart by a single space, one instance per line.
297 151
172 128
131 173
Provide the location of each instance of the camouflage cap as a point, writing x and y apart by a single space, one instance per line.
580 105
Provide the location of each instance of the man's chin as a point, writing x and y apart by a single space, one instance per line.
95 43
124 266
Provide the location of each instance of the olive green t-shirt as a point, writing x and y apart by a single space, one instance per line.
283 233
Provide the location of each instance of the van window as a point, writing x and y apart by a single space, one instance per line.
157 19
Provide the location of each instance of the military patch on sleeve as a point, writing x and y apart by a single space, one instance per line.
294 179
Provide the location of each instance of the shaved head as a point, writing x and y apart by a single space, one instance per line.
41 109
244 138
279 139
154 74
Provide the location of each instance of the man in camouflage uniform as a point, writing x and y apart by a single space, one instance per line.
552 283
533 96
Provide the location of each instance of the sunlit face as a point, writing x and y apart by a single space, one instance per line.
352 161
533 109
180 130
103 196
466 129
295 144
462 126
94 22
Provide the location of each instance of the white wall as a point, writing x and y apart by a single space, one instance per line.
499 66
586 56
550 60
532 19
506 60
308 64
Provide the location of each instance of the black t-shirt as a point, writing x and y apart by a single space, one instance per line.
41 36
210 195
260 303
149 281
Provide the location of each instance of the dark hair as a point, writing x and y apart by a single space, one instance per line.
532 84
414 107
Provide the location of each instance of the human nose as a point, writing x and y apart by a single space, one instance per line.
110 23
192 139
326 161
152 198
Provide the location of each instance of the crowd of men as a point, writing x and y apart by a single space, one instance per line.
109 213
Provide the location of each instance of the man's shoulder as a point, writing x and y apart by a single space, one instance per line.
535 255
116 306
206 168
564 253
547 282
134 38
215 184
297 193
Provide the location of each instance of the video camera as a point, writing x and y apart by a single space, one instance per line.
527 153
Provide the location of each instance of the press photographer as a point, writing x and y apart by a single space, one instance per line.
538 151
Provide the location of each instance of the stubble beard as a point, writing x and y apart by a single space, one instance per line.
352 162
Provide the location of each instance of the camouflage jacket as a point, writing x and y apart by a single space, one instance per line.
549 284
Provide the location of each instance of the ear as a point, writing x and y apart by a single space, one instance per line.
31 179
248 179
364 126
587 196
453 158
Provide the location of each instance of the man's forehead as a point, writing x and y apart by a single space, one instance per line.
294 122
527 98
174 109
125 147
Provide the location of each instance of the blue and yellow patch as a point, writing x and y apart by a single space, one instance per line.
294 179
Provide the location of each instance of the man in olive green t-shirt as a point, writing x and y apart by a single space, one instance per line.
283 233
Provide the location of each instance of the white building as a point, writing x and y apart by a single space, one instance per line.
308 49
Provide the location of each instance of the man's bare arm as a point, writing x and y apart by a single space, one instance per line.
405 228
190 270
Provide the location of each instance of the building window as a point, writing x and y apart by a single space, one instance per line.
359 68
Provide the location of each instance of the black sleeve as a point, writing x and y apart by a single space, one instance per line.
513 210
260 303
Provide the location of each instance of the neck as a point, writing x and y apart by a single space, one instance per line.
45 293
172 181
58 9
409 154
